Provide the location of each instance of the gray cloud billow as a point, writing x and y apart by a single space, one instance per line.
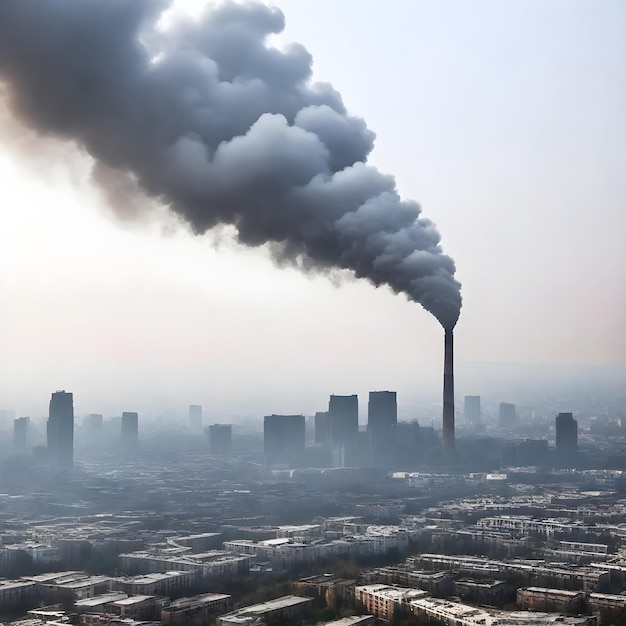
224 129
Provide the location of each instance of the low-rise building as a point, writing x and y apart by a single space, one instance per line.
524 524
437 583
285 607
544 599
17 593
491 592
75 585
204 565
353 620
382 600
40 553
457 614
535 572
196 610
599 602
290 551
329 589
197 543
99 604
139 607
157 584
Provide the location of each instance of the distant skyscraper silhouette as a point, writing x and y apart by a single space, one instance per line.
471 410
343 430
195 417
130 428
343 420
566 438
283 438
93 425
60 429
20 432
507 415
382 420
220 439
321 427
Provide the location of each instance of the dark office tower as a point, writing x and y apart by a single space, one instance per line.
20 432
93 425
195 417
382 420
283 438
447 433
321 427
566 439
130 429
507 415
471 410
221 439
343 420
60 429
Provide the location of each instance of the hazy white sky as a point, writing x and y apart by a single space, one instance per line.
504 120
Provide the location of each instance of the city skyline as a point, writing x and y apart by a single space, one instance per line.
540 283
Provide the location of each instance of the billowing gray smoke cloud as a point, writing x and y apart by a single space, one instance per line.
224 129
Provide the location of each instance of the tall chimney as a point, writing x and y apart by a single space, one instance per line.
448 391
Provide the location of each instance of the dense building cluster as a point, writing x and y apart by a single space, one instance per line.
303 521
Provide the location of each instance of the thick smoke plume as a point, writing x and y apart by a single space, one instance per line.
224 129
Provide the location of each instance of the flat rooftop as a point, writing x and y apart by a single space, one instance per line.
271 605
547 590
154 578
204 598
133 600
105 598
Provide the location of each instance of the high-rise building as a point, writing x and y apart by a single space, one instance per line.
321 427
343 420
220 438
20 432
507 415
471 410
195 417
93 425
130 428
566 438
382 420
60 429
283 438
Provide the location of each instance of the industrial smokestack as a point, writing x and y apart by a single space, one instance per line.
448 391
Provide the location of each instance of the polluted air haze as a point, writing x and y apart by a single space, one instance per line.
221 122
224 129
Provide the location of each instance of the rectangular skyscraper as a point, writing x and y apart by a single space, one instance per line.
195 417
566 439
130 429
382 420
220 439
507 415
283 438
471 410
343 420
321 427
20 432
60 429
92 425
